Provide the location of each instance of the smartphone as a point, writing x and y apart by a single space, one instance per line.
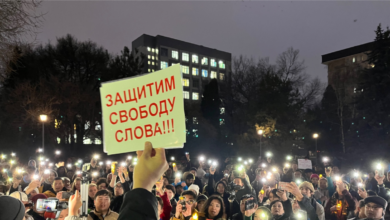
381 172
183 203
212 169
113 168
282 185
249 204
47 205
186 153
66 195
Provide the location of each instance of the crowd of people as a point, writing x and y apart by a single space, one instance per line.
150 187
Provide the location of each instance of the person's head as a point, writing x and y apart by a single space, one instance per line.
64 213
66 181
335 169
375 207
323 183
262 213
243 200
294 166
57 184
52 176
314 179
169 172
32 163
361 210
102 184
371 174
34 202
272 196
346 186
193 171
11 208
285 170
109 177
76 185
269 159
102 201
277 208
200 201
92 190
61 171
194 188
31 170
213 207
297 174
190 198
118 189
160 205
190 178
220 187
166 181
295 205
179 189
3 188
238 181
306 189
171 191
308 173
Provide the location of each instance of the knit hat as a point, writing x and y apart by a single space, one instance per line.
36 190
201 198
20 196
194 187
11 208
314 176
38 196
307 185
377 200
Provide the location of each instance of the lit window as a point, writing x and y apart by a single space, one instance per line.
213 63
148 56
185 57
222 110
353 60
149 70
152 57
164 64
221 121
152 63
175 54
354 90
156 57
148 62
152 49
213 75
195 120
204 73
148 48
186 95
195 96
204 61
186 82
195 58
156 50
185 69
221 64
195 71
221 76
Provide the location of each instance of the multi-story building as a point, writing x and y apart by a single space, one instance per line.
199 65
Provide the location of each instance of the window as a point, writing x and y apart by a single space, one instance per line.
186 82
152 57
221 76
156 58
164 65
195 58
204 73
164 52
156 51
353 60
213 75
186 95
148 56
195 96
195 83
204 61
148 48
149 70
175 54
213 63
185 69
221 64
153 63
185 57
195 71
195 120
222 110
148 62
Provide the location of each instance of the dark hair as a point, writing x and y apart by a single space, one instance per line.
103 193
371 193
58 178
190 176
177 186
208 203
160 201
74 184
272 203
246 196
170 187
190 193
274 193
101 181
361 203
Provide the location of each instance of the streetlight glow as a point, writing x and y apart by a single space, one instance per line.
315 135
13 154
43 117
260 132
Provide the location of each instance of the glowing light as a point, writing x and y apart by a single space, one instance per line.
123 164
287 165
58 152
172 158
108 162
129 157
250 161
263 165
13 154
315 135
325 159
268 154
42 163
263 180
94 174
96 156
201 158
289 157
239 159
69 165
43 117
379 166
260 132
356 174
40 150
101 163
47 171
178 175
50 164
215 163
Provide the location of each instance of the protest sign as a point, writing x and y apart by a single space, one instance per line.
149 107
304 164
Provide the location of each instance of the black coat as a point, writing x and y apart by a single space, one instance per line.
139 204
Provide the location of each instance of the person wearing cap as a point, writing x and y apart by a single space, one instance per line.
37 215
194 188
303 195
375 207
21 196
11 208
341 205
242 181
314 178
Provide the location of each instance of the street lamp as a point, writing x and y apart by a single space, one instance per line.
315 136
43 119
260 132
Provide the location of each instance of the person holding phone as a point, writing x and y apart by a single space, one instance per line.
248 207
220 189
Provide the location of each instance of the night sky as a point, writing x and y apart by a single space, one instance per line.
255 29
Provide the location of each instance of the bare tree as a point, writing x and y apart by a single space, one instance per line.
18 25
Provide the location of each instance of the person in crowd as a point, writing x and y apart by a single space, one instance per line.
308 173
375 207
200 201
303 195
102 207
189 179
179 190
341 205
297 175
261 213
164 205
387 179
326 188
314 178
37 215
257 184
102 184
360 212
212 209
197 180
194 188
243 187
371 183
171 191
67 185
119 189
244 214
92 190
11 208
47 180
219 189
288 174
62 171
57 188
76 185
188 201
278 211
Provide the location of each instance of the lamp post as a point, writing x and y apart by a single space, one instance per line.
315 136
43 119
260 132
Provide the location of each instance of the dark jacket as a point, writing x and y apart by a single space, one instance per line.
348 204
139 204
257 185
35 215
116 203
211 189
246 190
309 205
173 204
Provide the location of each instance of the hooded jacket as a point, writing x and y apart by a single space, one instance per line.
211 189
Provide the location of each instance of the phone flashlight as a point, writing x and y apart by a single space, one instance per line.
215 163
42 163
94 174
108 162
47 171
288 157
50 164
287 165
58 152
337 178
239 159
356 174
201 158
13 154
263 165
96 156
173 164
250 161
360 185
178 175
123 164
129 157
35 177
172 158
325 159
245 162
101 163
69 165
